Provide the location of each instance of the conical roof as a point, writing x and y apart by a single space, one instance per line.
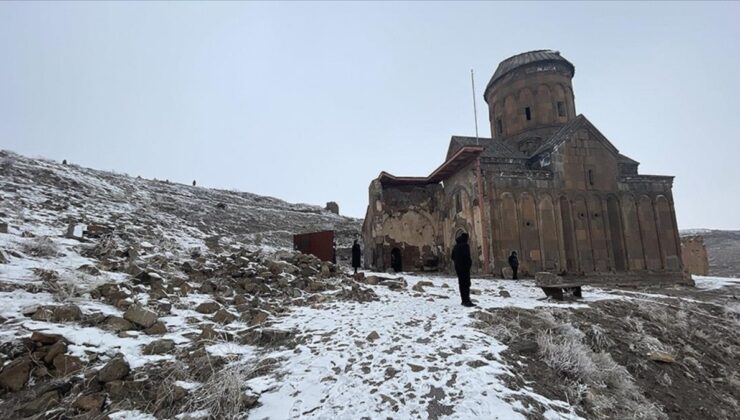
525 58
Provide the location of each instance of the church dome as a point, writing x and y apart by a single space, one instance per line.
530 92
523 59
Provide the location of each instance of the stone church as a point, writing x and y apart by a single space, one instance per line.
547 184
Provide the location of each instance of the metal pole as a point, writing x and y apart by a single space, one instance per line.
479 176
475 107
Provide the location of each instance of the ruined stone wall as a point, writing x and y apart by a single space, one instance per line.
460 213
406 218
695 257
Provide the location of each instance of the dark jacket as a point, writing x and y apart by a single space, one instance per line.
356 255
513 261
461 254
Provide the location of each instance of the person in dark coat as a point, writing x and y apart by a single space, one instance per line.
463 262
514 263
356 255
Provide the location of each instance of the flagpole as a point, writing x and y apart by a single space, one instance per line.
475 107
479 176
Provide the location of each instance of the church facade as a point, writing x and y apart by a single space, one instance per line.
547 184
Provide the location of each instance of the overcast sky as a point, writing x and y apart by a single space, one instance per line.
309 102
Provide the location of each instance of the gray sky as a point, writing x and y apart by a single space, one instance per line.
309 102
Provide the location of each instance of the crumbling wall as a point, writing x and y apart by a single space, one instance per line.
694 255
333 207
461 213
405 217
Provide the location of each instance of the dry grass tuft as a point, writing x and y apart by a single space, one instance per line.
224 395
594 377
41 246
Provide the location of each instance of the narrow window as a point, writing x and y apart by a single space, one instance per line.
561 108
458 203
499 126
591 177
528 113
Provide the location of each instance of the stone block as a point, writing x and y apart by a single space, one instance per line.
544 279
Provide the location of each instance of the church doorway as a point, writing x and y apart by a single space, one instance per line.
396 260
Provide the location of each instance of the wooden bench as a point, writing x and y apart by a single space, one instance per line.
558 287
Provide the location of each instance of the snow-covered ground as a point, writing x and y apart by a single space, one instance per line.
713 283
428 361
409 354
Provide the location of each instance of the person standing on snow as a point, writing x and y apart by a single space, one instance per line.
356 256
514 263
463 262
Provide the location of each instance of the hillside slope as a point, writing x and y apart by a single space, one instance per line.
38 192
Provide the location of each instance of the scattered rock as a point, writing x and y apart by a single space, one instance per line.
158 328
240 300
543 278
30 310
207 333
267 337
117 368
279 267
358 294
207 307
415 368
40 404
373 336
395 284
89 269
92 402
59 347
475 292
661 356
372 280
65 365
140 316
258 317
222 316
45 339
476 363
418 287
118 324
159 347
390 372
14 376
58 313
504 294
524 347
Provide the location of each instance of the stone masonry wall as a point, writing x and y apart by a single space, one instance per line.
694 254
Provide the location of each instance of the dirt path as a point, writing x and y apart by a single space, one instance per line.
427 361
